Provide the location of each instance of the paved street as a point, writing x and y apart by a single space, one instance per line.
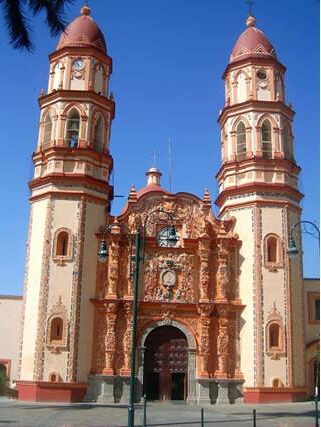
158 414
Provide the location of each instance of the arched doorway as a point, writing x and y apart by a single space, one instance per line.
166 364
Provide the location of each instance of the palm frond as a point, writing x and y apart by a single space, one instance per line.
17 24
54 10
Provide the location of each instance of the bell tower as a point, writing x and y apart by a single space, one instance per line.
70 199
258 185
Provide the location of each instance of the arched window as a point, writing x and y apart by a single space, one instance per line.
56 329
72 129
240 141
266 139
98 135
47 130
277 382
272 249
286 143
274 335
273 256
62 244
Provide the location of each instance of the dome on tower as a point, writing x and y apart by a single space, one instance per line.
252 43
83 32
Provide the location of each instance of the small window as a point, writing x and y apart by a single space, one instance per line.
277 382
62 244
241 141
314 307
56 329
317 309
274 335
47 132
98 135
272 249
266 139
72 129
273 257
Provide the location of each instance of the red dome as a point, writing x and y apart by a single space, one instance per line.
82 32
151 188
252 43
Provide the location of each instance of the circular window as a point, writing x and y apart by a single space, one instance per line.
261 75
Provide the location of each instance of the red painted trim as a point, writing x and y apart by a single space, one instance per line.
60 153
259 163
82 51
257 105
273 394
43 391
69 94
255 187
75 178
254 59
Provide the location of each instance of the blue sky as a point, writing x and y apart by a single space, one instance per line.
168 59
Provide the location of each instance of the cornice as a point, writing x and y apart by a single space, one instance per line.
59 153
69 195
77 95
254 60
259 203
257 162
61 178
257 187
254 105
82 51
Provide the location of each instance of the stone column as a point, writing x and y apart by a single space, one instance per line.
204 253
110 339
222 273
113 266
128 306
222 344
203 380
191 397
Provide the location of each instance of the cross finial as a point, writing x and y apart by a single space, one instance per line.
154 158
250 3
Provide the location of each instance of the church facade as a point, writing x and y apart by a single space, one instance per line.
221 307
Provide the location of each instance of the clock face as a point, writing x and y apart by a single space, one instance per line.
169 278
162 238
78 64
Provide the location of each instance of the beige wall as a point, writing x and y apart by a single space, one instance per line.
10 320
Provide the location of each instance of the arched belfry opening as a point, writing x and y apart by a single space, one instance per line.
166 364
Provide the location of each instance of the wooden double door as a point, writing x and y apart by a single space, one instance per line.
166 364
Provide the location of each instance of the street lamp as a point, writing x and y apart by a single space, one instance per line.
102 256
311 229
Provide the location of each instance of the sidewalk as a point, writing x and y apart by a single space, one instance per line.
29 414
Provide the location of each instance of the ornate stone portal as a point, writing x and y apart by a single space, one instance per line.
187 284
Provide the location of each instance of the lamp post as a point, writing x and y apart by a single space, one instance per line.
311 229
102 256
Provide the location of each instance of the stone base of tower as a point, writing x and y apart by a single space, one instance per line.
44 391
274 394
